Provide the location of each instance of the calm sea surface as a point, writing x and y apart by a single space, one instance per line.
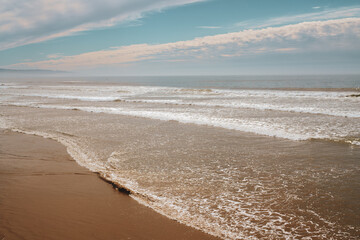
240 157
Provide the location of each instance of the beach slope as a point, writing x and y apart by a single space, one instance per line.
46 195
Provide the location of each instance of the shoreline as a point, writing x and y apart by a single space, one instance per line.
47 195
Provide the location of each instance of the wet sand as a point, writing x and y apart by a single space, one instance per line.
44 194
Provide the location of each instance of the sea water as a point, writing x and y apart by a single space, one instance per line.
253 157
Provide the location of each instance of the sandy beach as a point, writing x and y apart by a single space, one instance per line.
232 163
46 195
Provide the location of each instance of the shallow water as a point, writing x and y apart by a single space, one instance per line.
236 163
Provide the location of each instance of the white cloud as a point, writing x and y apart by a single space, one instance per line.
272 39
338 13
23 22
209 27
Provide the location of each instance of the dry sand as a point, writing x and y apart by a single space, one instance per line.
44 194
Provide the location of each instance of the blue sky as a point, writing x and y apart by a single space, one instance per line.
183 37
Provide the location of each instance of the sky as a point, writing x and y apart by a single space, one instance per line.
181 37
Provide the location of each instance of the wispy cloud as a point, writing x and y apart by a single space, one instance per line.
316 7
328 14
23 22
272 39
209 27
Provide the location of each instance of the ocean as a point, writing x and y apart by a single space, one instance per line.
239 157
